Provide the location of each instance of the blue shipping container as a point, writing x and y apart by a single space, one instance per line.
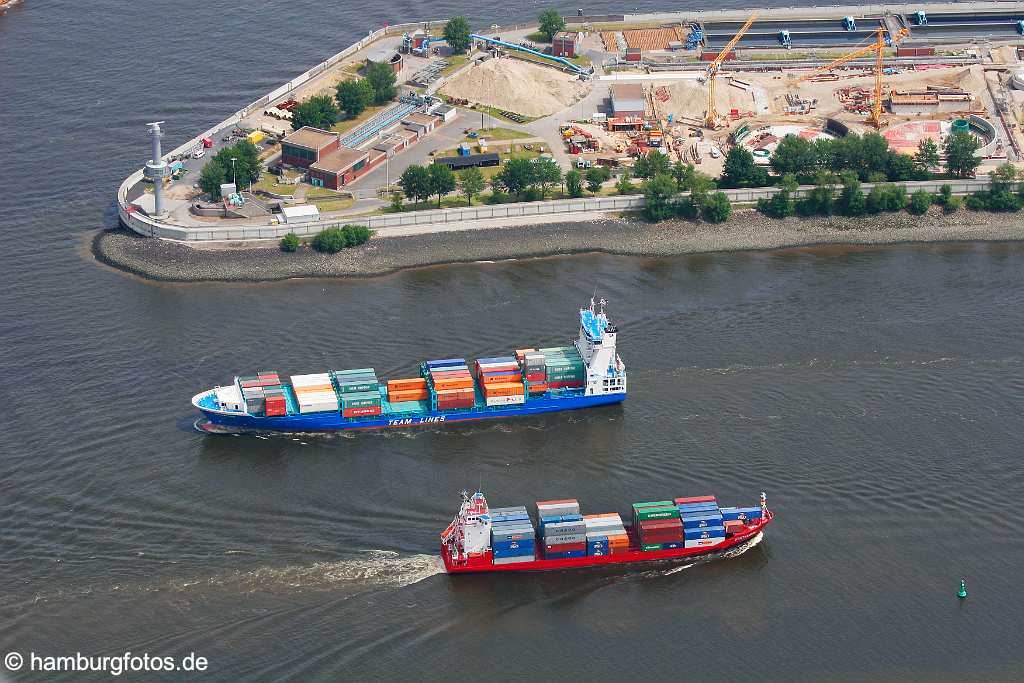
518 552
672 546
566 554
698 507
446 362
503 359
708 532
511 517
742 513
527 545
700 520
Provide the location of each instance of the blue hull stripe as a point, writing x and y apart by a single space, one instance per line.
318 422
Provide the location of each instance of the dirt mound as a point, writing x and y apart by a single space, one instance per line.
515 85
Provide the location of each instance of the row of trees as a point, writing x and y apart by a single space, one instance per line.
351 98
219 169
456 31
866 155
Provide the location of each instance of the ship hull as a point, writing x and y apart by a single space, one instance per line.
333 421
633 556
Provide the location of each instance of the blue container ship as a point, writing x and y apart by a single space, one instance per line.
586 374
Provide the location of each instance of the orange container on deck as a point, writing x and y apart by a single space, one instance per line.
408 395
538 387
407 384
498 379
454 374
453 383
507 389
447 394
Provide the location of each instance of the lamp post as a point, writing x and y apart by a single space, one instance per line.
233 159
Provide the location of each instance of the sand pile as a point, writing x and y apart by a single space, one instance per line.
689 99
518 86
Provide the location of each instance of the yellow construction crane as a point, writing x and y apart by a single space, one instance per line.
878 47
711 117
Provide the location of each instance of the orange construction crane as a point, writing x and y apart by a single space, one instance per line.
711 116
878 47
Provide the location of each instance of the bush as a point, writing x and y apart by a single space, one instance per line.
333 240
687 208
919 202
290 242
953 205
717 209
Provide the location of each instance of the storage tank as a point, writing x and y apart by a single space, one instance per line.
961 126
1017 80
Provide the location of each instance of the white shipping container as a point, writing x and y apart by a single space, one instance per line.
609 531
316 396
702 542
318 408
506 400
310 380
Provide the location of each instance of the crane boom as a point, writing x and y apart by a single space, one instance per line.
711 115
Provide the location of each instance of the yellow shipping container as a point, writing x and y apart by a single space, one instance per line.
256 137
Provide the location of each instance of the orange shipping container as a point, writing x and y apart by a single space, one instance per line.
454 383
455 393
408 395
314 388
503 389
498 379
450 375
406 384
538 387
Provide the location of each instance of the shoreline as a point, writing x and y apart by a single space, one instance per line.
166 261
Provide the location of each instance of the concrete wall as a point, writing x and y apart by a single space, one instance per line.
563 209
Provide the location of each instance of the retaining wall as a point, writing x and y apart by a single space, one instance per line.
562 209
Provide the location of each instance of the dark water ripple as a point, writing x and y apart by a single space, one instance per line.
875 394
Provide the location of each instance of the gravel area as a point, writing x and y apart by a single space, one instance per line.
746 231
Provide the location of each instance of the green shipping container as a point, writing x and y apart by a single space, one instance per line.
360 400
656 513
655 504
360 371
357 387
647 547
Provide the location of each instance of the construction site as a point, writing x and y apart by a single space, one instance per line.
607 90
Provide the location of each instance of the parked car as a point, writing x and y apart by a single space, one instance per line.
198 153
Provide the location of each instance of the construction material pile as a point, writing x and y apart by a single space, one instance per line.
517 86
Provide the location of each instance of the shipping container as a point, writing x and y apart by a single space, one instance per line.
733 526
360 399
455 404
698 507
504 389
408 384
695 499
647 547
454 383
565 555
562 547
706 532
701 520
492 401
514 559
701 542
361 412
412 395
448 362
523 545
743 514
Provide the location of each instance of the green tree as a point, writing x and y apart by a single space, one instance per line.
551 22
927 157
820 201
397 202
625 184
596 177
442 181
894 197
574 183
319 111
211 177
290 242
900 168
717 208
851 199
658 194
471 183
654 163
415 183
960 159
381 78
245 169
875 201
456 32
516 175
919 202
329 241
681 173
354 96
741 171
794 155
546 173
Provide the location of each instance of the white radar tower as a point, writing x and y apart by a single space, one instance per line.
156 170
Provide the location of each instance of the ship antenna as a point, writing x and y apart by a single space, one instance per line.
764 501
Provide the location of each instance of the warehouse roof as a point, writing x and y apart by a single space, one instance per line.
455 163
628 97
420 119
339 160
310 138
566 35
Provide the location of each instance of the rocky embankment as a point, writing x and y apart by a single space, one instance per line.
745 231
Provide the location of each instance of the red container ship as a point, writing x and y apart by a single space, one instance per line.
484 539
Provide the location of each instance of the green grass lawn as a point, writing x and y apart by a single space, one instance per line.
499 134
498 115
335 204
268 183
454 62
537 37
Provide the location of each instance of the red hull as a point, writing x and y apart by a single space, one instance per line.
633 555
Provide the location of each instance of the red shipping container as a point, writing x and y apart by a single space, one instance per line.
360 412
564 547
734 526
447 394
565 385
249 383
455 374
276 410
504 367
455 403
535 376
662 537
695 499
711 56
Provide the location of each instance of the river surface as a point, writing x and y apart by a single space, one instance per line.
874 394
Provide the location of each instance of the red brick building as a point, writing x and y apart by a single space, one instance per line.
338 168
307 146
566 44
